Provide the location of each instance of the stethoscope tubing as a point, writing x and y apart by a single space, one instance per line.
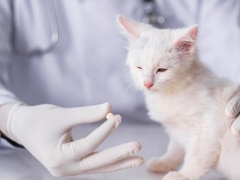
149 12
52 17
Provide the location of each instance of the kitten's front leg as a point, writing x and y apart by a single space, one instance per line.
171 160
202 154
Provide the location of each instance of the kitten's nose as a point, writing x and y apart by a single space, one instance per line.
148 85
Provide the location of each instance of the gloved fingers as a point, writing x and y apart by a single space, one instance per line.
232 107
109 156
87 114
235 127
106 158
126 163
80 148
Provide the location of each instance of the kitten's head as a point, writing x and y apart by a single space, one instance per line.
158 58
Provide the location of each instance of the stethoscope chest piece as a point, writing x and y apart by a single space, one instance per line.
150 14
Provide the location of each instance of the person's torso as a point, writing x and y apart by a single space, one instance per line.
87 65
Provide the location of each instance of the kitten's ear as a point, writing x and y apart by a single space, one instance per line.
187 42
129 27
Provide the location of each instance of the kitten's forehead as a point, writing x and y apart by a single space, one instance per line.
153 47
160 39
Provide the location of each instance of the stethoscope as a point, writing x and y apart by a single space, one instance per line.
150 16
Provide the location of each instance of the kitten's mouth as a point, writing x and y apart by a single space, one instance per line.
149 89
152 89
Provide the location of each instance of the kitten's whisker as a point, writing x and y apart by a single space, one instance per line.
130 88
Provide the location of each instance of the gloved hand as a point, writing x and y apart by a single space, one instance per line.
45 131
232 110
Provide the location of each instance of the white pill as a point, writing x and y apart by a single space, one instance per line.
109 115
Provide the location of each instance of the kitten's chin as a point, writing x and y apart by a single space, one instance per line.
158 90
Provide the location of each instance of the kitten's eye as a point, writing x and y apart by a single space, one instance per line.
139 67
161 70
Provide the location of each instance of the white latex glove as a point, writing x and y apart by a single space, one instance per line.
45 131
232 110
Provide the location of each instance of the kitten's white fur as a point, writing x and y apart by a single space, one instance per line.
186 97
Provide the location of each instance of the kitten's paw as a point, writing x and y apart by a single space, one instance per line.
174 175
157 166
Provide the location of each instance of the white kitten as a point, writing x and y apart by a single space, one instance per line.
188 99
